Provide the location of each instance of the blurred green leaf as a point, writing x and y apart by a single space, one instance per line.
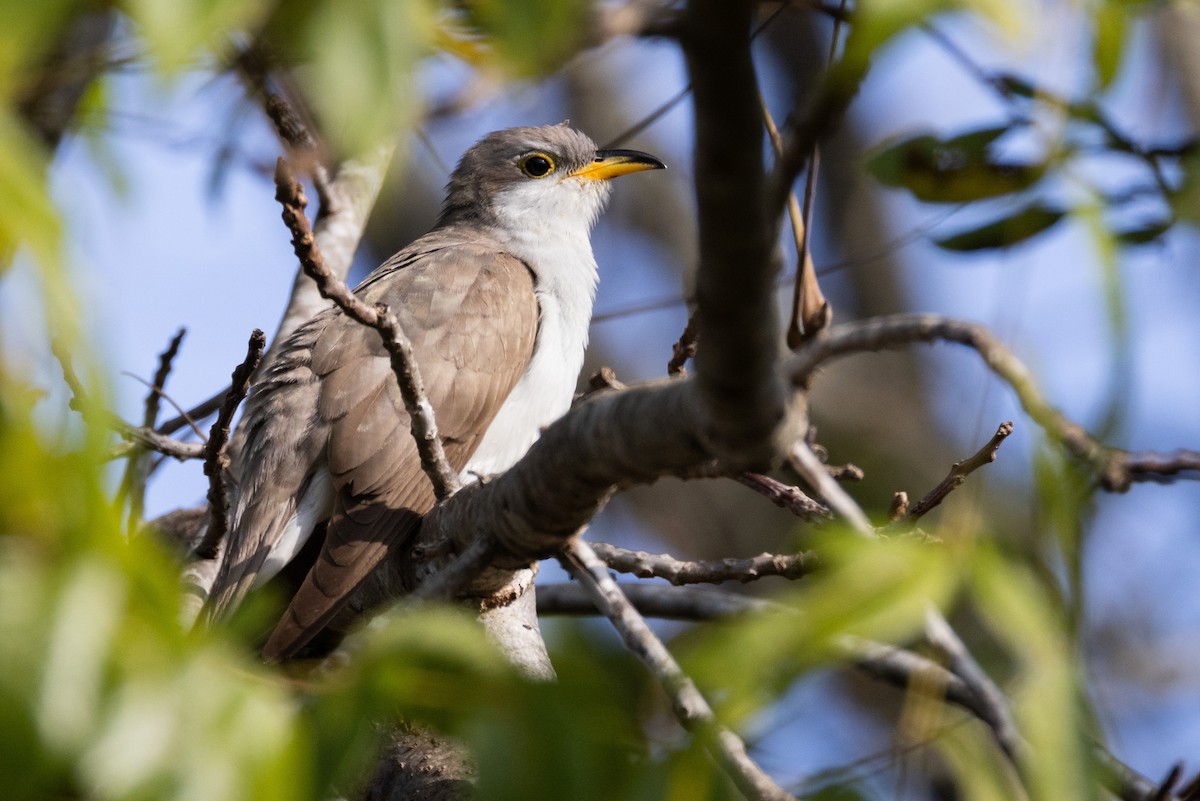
363 70
955 170
28 32
1047 700
29 217
1145 233
178 30
532 37
877 21
1185 202
1008 230
1111 23
978 766
873 589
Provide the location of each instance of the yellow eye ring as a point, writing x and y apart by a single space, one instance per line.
537 165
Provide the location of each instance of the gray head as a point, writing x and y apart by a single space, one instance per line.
552 171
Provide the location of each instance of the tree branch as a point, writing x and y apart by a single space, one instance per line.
955 478
152 440
785 496
137 469
738 255
689 705
1115 469
216 461
678 571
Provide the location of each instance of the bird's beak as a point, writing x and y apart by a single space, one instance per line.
611 163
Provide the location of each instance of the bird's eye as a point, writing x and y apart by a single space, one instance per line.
537 165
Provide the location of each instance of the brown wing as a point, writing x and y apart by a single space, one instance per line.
471 313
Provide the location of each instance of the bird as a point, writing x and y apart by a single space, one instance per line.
496 299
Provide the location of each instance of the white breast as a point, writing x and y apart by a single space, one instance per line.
565 281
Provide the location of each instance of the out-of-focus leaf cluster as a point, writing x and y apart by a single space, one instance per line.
1021 197
881 591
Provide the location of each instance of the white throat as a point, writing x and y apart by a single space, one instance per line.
550 232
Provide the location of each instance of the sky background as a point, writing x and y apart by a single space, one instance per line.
154 245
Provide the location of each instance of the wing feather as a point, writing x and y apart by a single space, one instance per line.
456 300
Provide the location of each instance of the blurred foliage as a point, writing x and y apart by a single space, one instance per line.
104 696
972 167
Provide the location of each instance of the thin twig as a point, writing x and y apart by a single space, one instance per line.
785 496
290 195
216 460
678 571
812 470
194 415
174 404
151 440
685 348
955 478
689 705
993 707
138 468
1114 469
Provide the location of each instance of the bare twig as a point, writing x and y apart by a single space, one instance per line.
653 600
993 707
424 429
955 478
679 571
605 378
216 461
685 348
137 469
689 705
151 440
785 496
812 470
1114 469
195 414
174 404
810 310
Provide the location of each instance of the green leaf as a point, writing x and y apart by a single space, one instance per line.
876 22
1185 201
30 218
1145 233
873 589
178 30
1111 22
1009 230
1048 705
955 170
532 37
363 70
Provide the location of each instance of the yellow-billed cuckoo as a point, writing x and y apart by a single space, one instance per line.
496 300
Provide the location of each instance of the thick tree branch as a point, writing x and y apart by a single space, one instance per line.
739 259
1115 469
